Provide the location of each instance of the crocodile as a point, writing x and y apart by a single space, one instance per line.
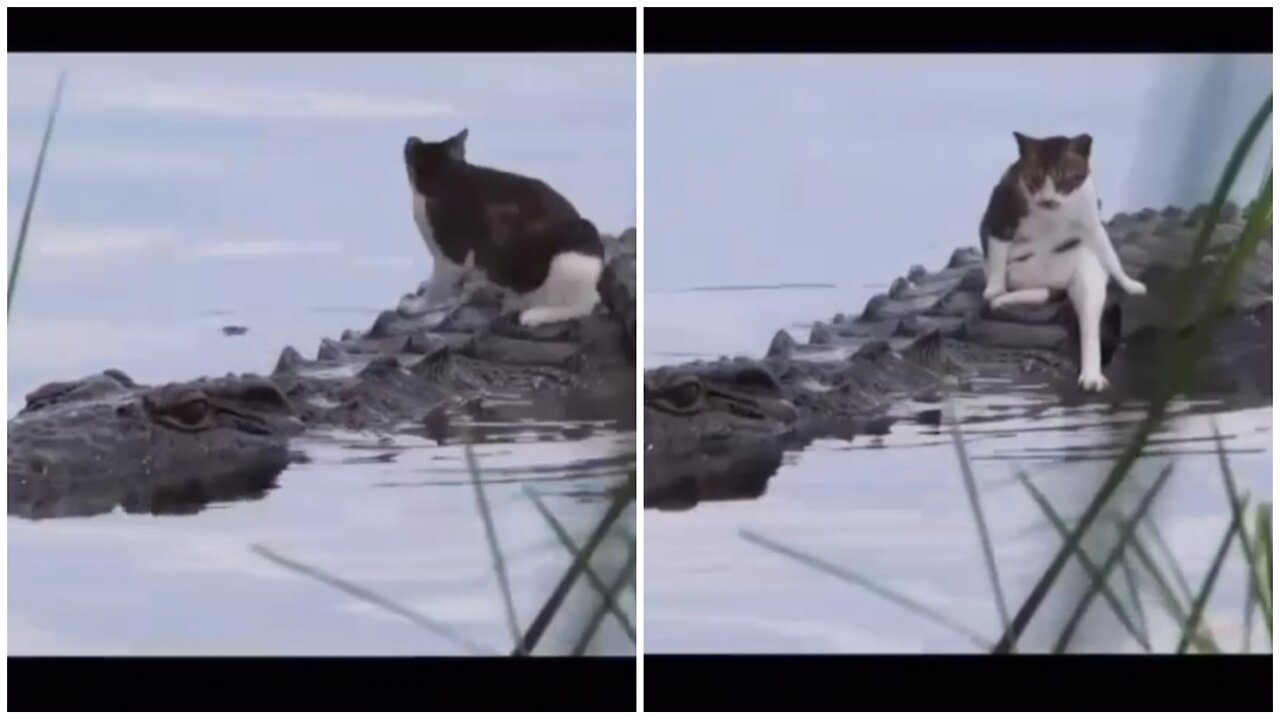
719 428
91 445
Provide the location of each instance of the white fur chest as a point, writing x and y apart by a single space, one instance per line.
423 221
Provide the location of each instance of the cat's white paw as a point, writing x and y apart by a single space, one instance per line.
1133 287
1000 301
993 291
1094 381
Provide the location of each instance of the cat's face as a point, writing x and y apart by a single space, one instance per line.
1052 169
424 161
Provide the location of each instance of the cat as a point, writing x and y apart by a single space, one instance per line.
514 232
1043 238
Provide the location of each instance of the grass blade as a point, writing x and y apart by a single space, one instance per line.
1100 581
373 598
1131 584
1237 521
1096 577
609 600
1166 554
1262 553
1206 589
542 620
1204 639
593 579
897 599
1223 189
975 504
491 535
35 186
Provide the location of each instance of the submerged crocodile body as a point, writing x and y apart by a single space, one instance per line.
720 428
102 442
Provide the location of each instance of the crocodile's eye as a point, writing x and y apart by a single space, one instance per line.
680 395
685 394
189 411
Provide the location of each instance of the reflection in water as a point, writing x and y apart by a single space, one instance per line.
723 472
680 483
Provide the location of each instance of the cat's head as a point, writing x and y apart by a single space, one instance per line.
425 160
1051 169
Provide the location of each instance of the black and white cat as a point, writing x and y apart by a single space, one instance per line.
1042 234
512 231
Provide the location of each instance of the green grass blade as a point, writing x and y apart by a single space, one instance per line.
1164 593
1220 194
373 598
1237 521
1096 577
1206 589
610 597
1260 572
1099 581
35 187
898 599
491 535
607 601
1250 603
542 620
1135 600
1174 377
984 535
1262 553
1166 554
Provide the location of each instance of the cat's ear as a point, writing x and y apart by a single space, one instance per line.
1082 144
1026 145
457 145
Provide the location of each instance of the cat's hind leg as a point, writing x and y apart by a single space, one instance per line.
568 293
1088 294
1025 296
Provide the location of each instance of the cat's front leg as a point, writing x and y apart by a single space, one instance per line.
442 286
997 268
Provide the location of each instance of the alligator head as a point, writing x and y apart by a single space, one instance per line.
712 430
87 446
